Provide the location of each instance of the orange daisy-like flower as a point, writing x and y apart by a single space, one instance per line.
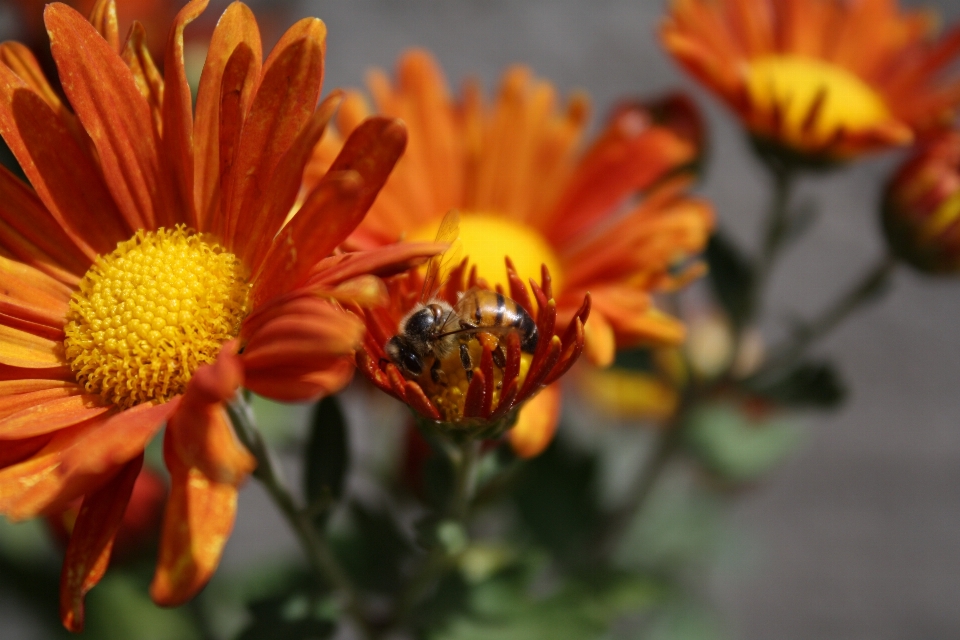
826 79
524 190
148 273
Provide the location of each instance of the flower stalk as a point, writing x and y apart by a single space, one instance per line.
314 542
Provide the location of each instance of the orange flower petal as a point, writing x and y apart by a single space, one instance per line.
91 541
284 102
384 262
22 349
103 17
338 203
50 415
627 158
299 348
116 440
136 55
536 423
17 451
196 524
31 235
274 206
31 295
104 94
236 25
24 64
200 432
289 387
600 342
60 169
178 112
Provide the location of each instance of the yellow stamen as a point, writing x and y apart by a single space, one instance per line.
148 315
488 238
796 83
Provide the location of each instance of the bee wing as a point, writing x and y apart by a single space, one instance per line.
440 266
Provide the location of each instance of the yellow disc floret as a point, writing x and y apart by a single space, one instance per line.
488 238
796 83
148 315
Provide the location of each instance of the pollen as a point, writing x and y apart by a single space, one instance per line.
796 83
148 315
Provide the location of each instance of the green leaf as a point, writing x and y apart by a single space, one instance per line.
504 609
731 276
288 617
375 548
556 496
327 455
735 446
808 385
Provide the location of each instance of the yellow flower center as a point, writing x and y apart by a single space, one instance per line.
795 83
148 315
487 239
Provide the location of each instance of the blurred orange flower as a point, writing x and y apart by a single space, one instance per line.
921 207
827 79
148 273
614 220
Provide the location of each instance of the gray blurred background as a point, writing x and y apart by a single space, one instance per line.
858 535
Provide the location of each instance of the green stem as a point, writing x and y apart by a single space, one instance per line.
864 291
315 545
775 234
667 444
463 457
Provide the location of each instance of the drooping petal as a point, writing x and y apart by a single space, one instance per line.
200 432
536 423
237 25
196 524
116 117
91 541
302 343
206 465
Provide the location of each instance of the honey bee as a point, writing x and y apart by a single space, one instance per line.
435 328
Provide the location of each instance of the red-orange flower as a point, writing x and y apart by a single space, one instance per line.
827 79
921 207
613 221
148 273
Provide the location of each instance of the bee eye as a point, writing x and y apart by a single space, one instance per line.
412 363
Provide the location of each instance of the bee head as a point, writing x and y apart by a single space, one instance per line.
403 354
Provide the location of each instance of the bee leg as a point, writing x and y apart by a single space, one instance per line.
437 374
499 358
465 360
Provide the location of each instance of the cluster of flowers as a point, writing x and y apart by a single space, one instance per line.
167 253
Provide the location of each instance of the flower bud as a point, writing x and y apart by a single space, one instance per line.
921 207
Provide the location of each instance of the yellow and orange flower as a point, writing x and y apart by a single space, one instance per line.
148 273
921 207
613 221
826 79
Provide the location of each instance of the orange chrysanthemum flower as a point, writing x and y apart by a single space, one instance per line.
484 400
148 273
524 191
826 79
